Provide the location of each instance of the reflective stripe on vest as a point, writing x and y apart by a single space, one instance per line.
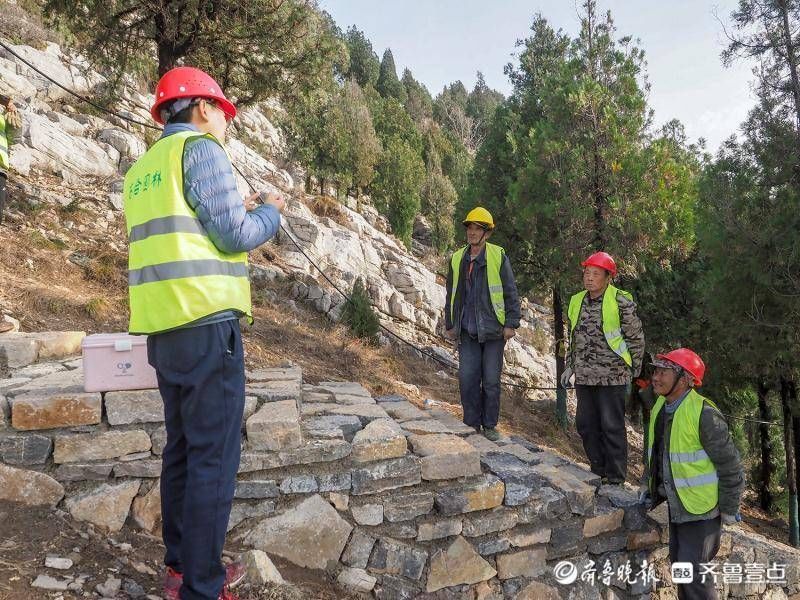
185 268
176 275
494 260
176 224
694 475
612 329
5 163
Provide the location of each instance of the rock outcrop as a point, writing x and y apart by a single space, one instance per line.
92 151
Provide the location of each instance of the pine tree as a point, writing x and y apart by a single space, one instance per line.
359 315
364 65
396 190
569 169
481 104
419 103
349 141
438 202
388 85
230 40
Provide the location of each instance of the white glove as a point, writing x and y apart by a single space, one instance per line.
566 376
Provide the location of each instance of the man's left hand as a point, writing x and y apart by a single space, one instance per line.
508 333
731 519
12 115
250 202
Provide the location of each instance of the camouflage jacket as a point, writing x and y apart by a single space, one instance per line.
590 356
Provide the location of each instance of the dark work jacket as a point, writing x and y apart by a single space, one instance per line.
717 442
488 327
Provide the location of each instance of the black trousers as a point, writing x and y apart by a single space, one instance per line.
201 379
479 368
600 420
695 542
2 195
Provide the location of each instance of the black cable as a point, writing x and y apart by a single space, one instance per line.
78 96
297 245
422 351
418 349
749 420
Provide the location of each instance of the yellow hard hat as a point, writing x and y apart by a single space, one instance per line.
479 215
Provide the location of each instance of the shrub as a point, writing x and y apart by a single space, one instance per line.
359 315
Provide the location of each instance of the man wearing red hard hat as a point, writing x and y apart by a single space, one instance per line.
606 347
189 232
693 465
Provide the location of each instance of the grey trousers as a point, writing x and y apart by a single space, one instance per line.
695 542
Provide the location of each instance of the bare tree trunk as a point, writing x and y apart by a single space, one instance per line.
163 47
765 496
599 202
791 59
560 347
791 469
793 403
796 432
597 188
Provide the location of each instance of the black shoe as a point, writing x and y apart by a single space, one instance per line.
477 429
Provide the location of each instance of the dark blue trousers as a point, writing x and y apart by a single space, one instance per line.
201 380
479 369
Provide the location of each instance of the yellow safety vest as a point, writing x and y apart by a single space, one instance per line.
494 260
693 473
612 329
5 163
176 275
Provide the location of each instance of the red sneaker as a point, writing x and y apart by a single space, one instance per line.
234 574
226 594
172 584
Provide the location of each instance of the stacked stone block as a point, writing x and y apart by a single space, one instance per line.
394 500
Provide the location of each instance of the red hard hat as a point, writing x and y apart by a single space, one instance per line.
602 260
188 82
688 360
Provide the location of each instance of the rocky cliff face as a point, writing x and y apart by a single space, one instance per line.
65 154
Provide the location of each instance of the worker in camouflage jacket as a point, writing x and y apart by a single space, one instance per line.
606 348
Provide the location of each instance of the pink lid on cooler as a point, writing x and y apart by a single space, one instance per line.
116 361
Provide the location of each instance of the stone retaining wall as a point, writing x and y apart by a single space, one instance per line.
396 501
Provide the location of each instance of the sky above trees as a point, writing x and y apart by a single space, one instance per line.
452 39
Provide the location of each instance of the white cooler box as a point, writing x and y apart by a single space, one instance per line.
116 361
